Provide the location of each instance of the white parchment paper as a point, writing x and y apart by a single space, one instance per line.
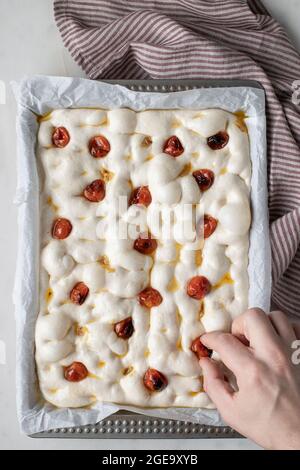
41 94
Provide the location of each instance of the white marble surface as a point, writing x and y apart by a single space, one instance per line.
29 44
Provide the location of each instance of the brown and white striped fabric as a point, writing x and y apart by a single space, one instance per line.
207 39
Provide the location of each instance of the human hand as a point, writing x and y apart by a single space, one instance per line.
266 406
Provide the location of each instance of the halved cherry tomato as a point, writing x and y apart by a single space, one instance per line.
218 141
154 380
140 195
60 137
199 349
75 372
124 328
204 178
79 293
173 146
99 146
198 287
95 191
150 297
210 225
145 244
61 228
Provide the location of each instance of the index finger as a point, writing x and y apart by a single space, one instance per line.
234 354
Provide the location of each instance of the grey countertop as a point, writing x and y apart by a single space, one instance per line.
30 44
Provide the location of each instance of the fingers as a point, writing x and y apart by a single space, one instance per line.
235 355
283 327
217 389
256 327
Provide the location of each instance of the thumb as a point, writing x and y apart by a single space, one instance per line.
219 391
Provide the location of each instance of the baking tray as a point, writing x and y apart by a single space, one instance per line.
125 424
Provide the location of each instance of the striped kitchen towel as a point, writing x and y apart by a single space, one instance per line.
207 39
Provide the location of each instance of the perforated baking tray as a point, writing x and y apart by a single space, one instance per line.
126 425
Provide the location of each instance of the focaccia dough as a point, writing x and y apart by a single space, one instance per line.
162 338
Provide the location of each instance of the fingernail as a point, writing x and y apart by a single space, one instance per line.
203 337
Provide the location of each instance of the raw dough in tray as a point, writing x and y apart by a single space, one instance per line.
91 279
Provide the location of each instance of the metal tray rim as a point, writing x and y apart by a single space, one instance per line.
174 85
129 425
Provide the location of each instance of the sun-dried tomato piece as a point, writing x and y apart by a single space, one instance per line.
150 297
61 228
75 372
199 349
145 244
154 380
204 178
198 287
124 328
60 137
140 195
99 146
79 293
218 141
95 191
173 146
